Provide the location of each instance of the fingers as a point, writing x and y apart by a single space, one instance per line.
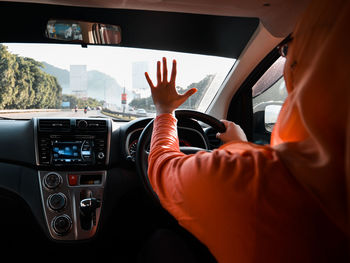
189 93
165 74
225 122
233 132
220 135
173 73
159 74
165 70
150 83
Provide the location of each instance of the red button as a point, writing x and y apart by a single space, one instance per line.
72 179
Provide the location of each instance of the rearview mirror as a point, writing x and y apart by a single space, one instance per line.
83 32
271 115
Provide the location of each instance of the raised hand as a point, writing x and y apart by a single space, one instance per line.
165 97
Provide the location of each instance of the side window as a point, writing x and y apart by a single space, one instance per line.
269 94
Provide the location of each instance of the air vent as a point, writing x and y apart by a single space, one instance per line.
92 125
54 125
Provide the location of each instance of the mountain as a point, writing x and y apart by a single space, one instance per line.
61 75
100 85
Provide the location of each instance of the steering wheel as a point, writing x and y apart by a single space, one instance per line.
145 140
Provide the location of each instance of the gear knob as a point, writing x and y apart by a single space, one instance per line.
88 206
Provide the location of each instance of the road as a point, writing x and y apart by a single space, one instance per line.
72 113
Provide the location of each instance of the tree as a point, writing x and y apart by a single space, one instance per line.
73 101
7 77
142 103
24 85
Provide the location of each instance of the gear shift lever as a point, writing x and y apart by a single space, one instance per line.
88 208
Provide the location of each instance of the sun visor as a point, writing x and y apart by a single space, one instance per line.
193 33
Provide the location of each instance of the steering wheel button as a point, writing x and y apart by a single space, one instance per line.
73 179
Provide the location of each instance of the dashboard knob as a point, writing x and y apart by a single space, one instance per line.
100 155
61 224
52 180
57 201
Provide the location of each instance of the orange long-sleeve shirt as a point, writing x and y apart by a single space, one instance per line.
287 202
240 201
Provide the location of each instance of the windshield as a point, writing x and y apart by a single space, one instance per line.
52 80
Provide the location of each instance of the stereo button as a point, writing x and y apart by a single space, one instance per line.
100 155
72 179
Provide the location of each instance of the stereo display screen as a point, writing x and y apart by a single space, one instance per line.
71 151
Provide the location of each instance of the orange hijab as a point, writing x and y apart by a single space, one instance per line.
312 135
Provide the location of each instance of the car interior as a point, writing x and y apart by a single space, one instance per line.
100 205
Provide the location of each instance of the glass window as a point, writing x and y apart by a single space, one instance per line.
277 94
269 93
271 79
53 80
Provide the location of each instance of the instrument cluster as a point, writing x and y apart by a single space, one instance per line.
187 137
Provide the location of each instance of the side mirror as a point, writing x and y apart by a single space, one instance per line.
83 32
271 115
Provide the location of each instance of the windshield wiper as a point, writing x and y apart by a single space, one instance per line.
119 120
12 119
98 116
113 118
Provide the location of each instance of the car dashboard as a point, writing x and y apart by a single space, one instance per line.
61 167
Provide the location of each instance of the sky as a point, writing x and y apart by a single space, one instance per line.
117 61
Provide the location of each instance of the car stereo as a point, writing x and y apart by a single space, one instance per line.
78 151
72 142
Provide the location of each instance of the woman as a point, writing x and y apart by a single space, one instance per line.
287 202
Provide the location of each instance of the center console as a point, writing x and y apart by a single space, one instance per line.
72 156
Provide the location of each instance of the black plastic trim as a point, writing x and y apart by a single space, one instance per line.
192 33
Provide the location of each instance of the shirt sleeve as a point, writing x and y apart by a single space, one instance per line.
225 197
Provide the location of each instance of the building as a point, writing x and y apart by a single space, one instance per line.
78 80
139 82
